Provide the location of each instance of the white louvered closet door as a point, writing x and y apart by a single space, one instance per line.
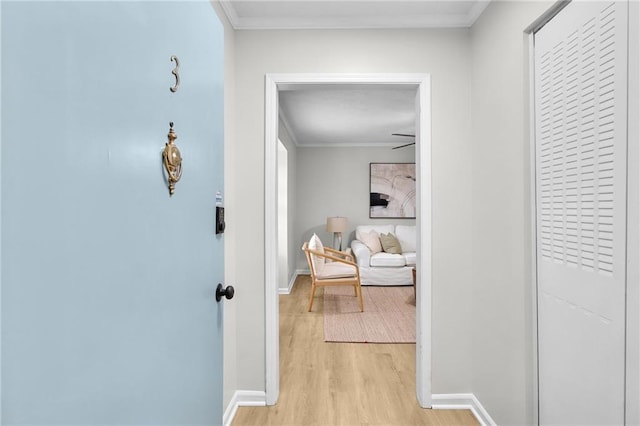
581 172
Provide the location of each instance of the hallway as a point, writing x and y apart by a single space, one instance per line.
341 383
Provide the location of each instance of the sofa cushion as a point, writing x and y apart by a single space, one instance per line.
410 258
318 261
387 259
380 229
406 234
337 270
390 243
372 241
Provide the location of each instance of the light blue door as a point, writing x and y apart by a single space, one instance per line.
108 284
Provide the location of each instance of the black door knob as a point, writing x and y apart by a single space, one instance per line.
226 292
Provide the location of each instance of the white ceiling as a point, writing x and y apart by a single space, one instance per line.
330 14
350 115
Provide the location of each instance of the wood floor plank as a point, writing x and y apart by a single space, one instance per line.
341 383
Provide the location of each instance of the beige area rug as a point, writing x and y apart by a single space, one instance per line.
389 315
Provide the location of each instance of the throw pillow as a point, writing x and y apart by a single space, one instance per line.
390 244
372 241
318 261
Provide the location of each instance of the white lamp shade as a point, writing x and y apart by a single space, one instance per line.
336 224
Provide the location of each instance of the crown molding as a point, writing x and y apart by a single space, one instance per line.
287 126
476 11
354 22
230 11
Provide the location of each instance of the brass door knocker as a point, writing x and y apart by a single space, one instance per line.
172 160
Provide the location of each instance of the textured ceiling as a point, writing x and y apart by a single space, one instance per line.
348 115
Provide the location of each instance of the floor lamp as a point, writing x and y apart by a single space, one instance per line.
337 225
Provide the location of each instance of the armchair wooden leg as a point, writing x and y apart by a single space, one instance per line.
313 291
359 294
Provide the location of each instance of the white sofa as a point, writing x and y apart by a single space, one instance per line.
385 268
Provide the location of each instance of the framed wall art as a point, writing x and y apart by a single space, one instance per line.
392 190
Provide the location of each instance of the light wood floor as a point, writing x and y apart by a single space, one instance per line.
341 383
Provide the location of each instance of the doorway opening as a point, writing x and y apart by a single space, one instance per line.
277 82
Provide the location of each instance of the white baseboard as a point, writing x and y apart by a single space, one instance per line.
243 399
457 401
462 401
293 281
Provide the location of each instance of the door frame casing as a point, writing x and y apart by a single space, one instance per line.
633 220
423 219
533 230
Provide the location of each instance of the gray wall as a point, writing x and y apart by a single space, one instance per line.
335 182
445 55
502 324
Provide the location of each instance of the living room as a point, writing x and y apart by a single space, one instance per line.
330 181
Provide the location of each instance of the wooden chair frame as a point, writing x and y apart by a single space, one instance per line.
335 256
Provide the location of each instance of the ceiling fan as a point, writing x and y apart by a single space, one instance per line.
405 135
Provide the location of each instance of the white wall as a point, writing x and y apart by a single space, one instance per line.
442 53
283 216
335 182
502 296
292 155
